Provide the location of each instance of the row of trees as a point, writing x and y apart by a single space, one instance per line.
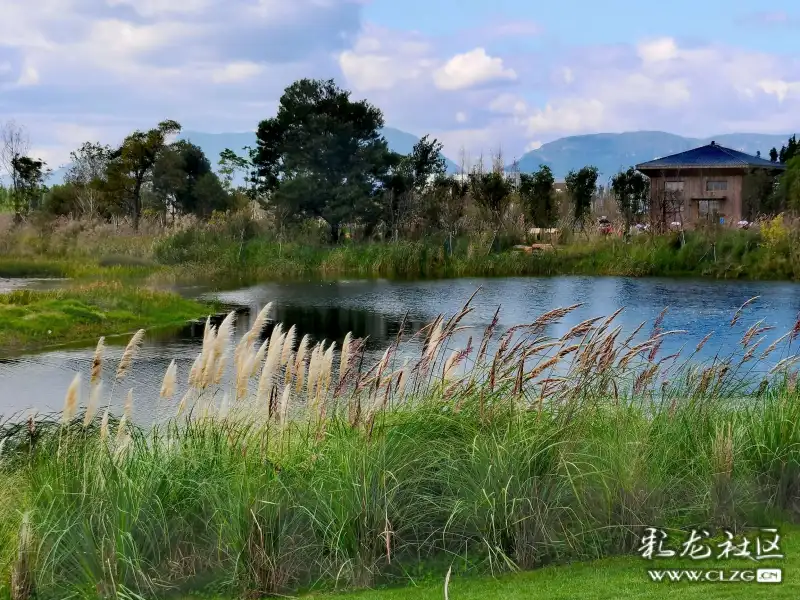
322 157
146 171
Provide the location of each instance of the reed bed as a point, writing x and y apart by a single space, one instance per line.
281 464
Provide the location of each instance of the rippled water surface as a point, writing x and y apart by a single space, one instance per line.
377 308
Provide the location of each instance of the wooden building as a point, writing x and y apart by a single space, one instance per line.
701 185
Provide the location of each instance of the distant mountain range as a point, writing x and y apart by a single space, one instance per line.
609 152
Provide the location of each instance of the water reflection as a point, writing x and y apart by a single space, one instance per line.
376 309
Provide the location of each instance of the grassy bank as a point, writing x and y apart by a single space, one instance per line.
235 248
727 254
33 319
280 467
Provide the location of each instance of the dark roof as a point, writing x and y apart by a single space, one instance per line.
711 155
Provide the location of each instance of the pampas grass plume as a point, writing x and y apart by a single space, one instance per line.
170 377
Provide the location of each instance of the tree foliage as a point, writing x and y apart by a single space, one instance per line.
538 194
581 186
323 156
131 165
184 182
631 191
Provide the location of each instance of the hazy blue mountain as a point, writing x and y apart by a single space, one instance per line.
214 143
610 152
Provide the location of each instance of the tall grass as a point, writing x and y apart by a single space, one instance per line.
275 465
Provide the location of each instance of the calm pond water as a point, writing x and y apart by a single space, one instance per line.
376 309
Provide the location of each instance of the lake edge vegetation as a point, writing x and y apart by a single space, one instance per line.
305 468
36 319
321 175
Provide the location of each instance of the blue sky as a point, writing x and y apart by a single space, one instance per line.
480 76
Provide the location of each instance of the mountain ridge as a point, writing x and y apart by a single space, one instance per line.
612 152
609 152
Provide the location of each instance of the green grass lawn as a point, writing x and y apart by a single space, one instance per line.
612 579
34 319
617 578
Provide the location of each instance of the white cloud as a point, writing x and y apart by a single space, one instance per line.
470 69
236 72
572 115
658 50
534 145
568 75
780 89
157 8
381 60
461 117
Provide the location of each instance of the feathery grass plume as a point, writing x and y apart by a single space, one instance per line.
207 351
170 377
220 370
129 354
261 320
104 426
94 402
433 342
402 380
242 352
300 363
207 331
224 334
771 348
71 400
122 429
283 415
265 380
703 342
344 359
256 359
2 447
97 360
128 411
314 367
738 313
194 372
450 365
277 333
327 368
288 345
274 351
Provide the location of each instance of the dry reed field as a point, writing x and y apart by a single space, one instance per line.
279 465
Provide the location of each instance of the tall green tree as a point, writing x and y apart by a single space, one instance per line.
538 193
184 182
631 191
787 152
581 186
232 166
492 192
86 180
323 156
29 183
789 185
131 165
408 179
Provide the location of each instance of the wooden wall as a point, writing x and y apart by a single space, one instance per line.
694 187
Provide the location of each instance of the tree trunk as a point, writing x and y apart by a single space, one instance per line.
335 233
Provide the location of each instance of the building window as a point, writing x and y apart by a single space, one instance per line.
716 186
709 209
673 186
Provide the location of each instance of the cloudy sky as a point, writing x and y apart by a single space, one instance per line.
479 75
